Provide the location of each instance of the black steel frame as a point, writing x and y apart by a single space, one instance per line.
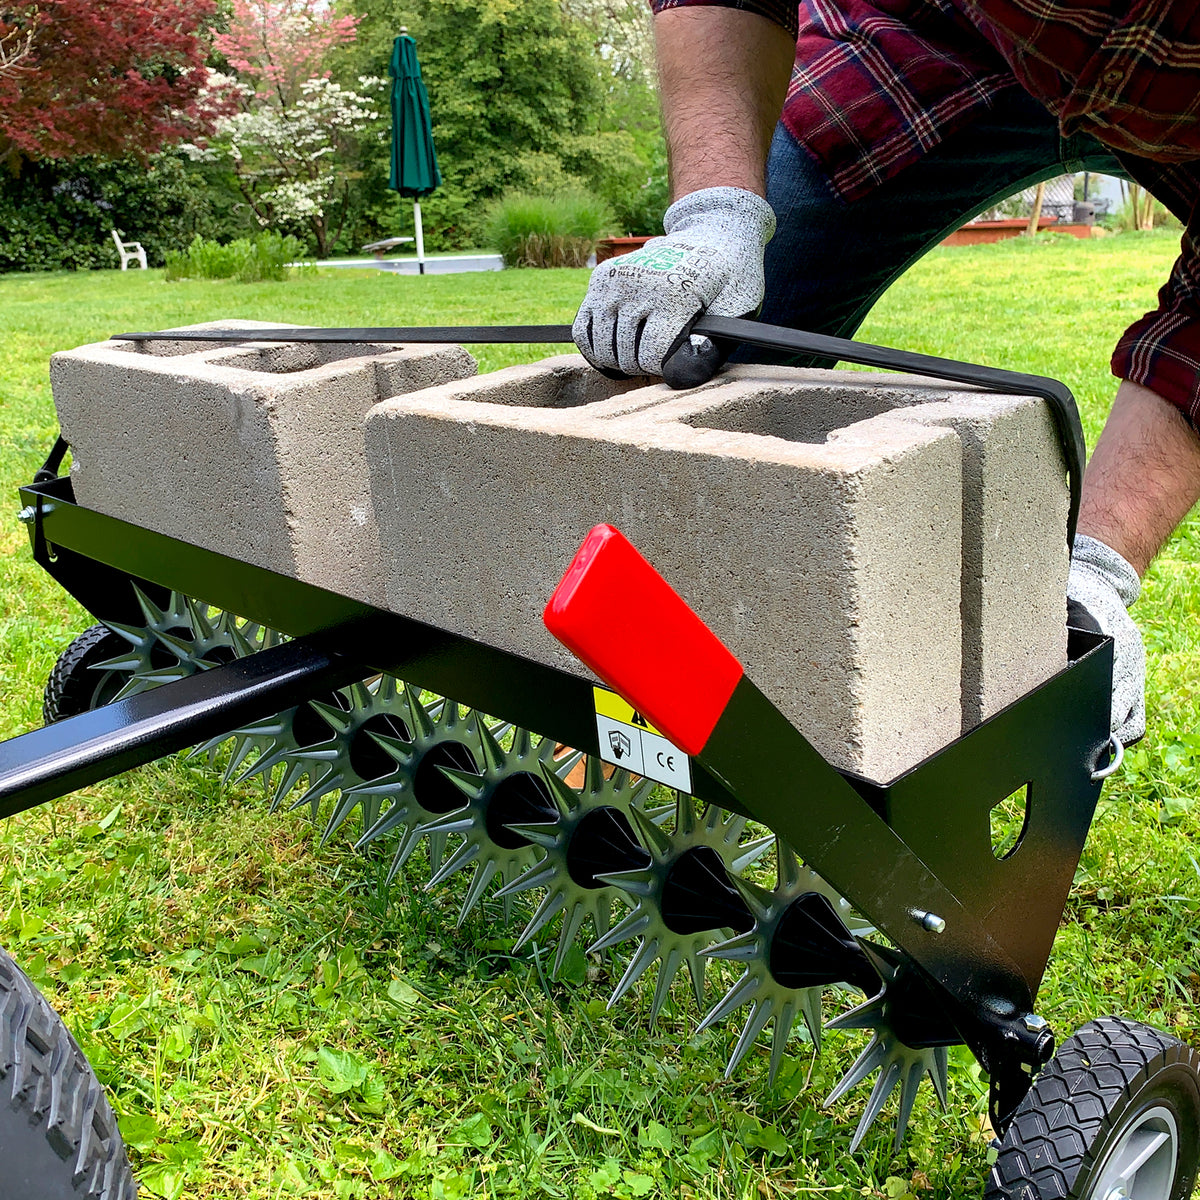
913 855
933 820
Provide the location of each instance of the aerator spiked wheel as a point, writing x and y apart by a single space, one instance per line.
505 794
803 939
177 640
899 1064
591 836
110 661
683 898
416 791
1114 1116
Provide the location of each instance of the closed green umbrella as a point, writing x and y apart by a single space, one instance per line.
414 170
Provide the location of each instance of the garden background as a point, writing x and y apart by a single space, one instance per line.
274 116
270 1018
273 1021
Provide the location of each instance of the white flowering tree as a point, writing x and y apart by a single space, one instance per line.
292 158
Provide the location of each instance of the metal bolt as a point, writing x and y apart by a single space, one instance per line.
26 515
930 922
1034 1023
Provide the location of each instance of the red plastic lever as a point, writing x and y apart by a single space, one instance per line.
618 615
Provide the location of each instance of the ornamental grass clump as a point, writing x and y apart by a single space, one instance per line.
248 260
556 230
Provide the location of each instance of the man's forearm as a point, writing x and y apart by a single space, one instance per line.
1143 477
723 76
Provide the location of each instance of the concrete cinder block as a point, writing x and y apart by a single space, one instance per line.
886 555
1015 504
834 528
1015 555
254 450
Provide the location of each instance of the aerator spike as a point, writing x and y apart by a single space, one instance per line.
121 662
897 1064
337 718
199 620
682 897
312 796
646 953
467 782
668 968
155 616
543 873
633 924
420 721
544 835
493 753
796 946
242 749
292 774
552 904
135 635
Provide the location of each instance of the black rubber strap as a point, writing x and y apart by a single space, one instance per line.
457 334
726 329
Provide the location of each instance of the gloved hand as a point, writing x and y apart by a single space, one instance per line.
1100 587
638 305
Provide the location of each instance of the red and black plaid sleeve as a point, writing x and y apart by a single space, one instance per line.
1162 350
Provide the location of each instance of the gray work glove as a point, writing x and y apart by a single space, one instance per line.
639 306
1103 585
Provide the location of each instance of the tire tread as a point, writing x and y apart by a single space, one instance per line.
68 690
46 1076
1059 1121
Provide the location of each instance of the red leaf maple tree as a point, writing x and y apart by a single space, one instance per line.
107 78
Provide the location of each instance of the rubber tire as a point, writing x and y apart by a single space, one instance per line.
58 1136
73 686
1062 1130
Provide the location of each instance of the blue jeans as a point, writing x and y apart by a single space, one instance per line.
831 260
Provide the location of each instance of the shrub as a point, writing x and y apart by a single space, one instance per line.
556 230
58 215
1124 220
247 259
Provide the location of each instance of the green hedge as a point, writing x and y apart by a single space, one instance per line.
59 216
557 230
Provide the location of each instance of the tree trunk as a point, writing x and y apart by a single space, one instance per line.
320 232
1143 207
1036 214
1147 211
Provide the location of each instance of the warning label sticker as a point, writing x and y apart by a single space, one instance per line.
630 741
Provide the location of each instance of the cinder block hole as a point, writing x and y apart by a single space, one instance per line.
797 414
164 349
1008 821
563 382
286 358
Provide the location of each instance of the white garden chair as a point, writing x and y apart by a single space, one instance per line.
128 250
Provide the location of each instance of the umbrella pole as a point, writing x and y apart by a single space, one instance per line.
420 237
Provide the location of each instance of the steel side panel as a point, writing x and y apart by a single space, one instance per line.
544 699
1048 742
560 705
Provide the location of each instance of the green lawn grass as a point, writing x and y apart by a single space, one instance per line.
272 1022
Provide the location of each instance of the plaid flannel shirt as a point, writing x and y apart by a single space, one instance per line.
878 83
